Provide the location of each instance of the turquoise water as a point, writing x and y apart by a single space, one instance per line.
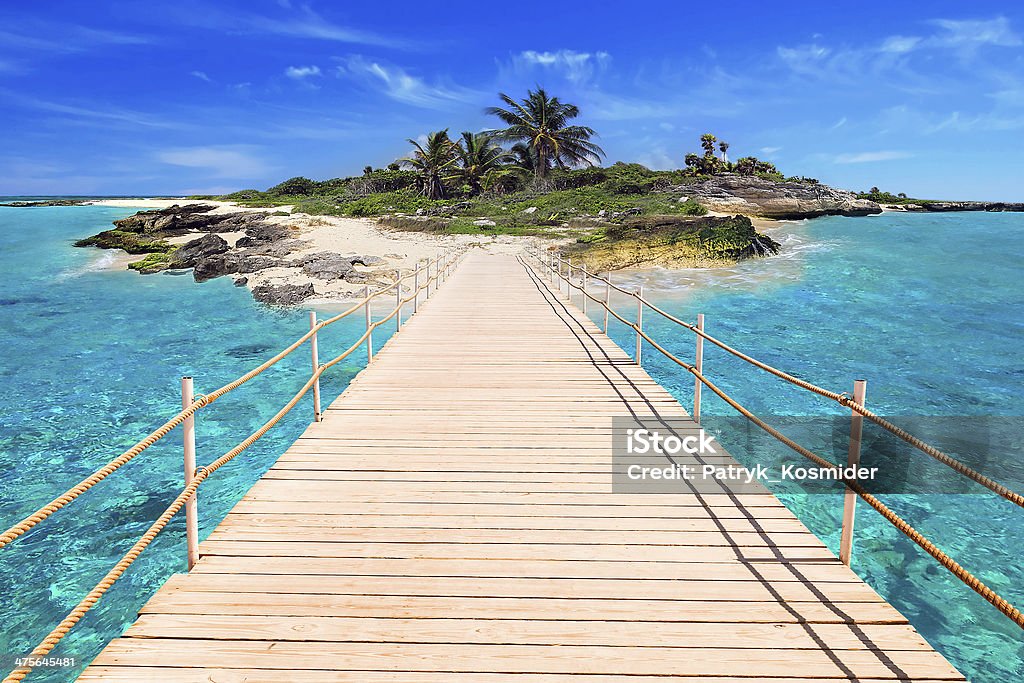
92 361
925 307
929 309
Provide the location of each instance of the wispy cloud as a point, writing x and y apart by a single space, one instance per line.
67 38
88 111
574 66
301 72
201 75
974 32
399 85
869 157
224 161
296 22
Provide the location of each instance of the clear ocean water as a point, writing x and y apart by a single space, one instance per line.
928 308
91 362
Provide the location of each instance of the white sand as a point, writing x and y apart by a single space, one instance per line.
400 250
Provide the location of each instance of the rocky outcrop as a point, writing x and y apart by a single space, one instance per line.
191 253
180 220
673 241
230 263
45 202
941 207
755 196
283 295
131 242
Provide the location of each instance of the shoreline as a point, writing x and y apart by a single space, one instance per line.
397 250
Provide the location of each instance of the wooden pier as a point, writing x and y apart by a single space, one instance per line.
452 519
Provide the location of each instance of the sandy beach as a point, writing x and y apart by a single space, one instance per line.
400 250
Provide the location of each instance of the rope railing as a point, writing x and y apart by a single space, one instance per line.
965 576
442 268
841 398
102 473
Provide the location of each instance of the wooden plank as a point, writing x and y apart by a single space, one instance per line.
522 658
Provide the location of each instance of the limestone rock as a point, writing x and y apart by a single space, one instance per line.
283 295
192 252
754 196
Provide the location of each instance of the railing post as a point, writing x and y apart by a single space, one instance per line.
316 366
398 300
607 298
191 507
369 328
583 287
428 278
416 289
852 460
698 365
639 323
568 282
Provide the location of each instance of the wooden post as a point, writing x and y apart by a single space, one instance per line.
397 300
639 323
191 507
568 282
416 289
316 366
369 329
607 299
583 287
852 460
698 365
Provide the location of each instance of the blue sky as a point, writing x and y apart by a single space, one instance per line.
147 98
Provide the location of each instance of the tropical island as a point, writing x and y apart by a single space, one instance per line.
536 181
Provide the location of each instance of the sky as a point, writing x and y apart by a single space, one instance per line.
210 97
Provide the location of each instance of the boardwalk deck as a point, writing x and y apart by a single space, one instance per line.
452 519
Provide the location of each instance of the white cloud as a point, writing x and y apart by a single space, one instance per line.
221 161
201 75
86 113
301 22
770 150
868 157
399 85
575 66
971 32
899 44
300 72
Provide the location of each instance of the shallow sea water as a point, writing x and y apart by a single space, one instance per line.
929 308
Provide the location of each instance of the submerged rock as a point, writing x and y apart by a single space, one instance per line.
674 241
283 295
755 196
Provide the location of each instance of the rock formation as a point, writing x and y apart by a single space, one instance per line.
673 241
755 196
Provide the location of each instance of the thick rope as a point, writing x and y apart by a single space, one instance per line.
202 473
102 473
842 399
971 581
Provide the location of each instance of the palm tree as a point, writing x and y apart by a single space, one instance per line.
523 157
707 141
541 122
433 162
724 146
479 155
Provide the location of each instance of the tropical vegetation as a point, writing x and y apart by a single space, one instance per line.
535 173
